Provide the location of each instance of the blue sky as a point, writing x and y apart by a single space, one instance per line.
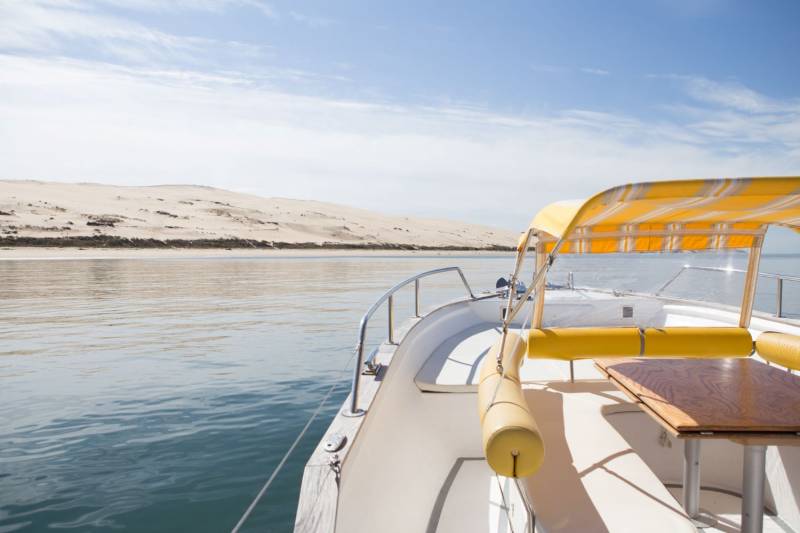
440 109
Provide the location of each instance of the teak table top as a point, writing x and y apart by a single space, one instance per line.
712 395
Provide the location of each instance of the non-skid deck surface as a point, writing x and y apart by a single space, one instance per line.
713 395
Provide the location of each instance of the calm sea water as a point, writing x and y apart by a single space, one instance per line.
158 395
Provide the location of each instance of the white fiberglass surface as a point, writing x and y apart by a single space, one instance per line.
454 365
411 438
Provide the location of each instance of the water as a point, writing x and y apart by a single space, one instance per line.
157 395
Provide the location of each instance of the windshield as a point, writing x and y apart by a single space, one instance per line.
705 276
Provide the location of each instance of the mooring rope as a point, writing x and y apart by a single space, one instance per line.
288 453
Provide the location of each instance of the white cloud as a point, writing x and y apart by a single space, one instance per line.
595 71
78 121
733 117
731 95
164 6
562 69
48 26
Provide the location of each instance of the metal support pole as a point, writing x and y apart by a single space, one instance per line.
571 371
691 477
390 310
416 298
755 459
751 279
779 298
362 339
538 302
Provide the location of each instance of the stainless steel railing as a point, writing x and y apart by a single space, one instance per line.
779 278
369 366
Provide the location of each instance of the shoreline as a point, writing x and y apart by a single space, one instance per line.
115 242
26 253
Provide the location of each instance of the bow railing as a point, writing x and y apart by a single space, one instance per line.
369 366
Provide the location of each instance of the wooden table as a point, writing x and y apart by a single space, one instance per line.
693 399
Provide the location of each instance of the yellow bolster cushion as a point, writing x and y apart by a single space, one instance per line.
513 355
697 342
779 348
590 343
583 343
511 440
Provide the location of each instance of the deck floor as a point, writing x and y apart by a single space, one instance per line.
726 510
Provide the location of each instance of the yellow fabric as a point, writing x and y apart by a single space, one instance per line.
511 440
672 216
556 216
583 343
513 355
697 342
569 344
779 348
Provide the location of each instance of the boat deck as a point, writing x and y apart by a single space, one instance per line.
611 467
472 494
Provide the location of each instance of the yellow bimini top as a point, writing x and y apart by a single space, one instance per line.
670 216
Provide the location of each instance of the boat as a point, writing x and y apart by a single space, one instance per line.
507 410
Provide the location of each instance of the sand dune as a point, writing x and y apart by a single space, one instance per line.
36 213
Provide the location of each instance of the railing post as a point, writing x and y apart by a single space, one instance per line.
779 298
416 297
466 284
362 337
390 303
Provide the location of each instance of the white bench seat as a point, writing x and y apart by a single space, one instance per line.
454 366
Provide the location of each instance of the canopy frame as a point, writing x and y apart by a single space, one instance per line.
784 200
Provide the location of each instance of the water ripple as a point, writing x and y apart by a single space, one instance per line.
158 395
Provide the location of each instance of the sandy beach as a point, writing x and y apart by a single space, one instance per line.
37 214
68 253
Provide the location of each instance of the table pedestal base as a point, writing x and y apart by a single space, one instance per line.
691 477
691 485
753 477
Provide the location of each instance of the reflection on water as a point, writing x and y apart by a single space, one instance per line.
158 394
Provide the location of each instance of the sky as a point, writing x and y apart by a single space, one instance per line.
478 111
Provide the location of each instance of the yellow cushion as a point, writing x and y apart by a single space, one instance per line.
583 343
779 348
513 355
569 344
511 440
697 342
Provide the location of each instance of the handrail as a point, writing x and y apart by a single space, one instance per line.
780 278
388 297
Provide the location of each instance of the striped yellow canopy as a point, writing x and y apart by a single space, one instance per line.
672 216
